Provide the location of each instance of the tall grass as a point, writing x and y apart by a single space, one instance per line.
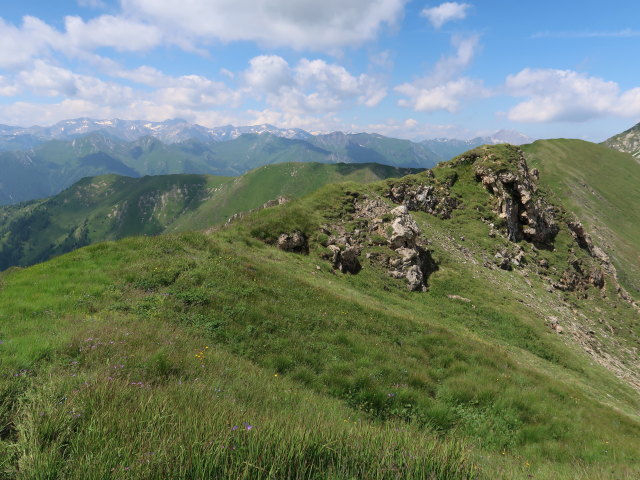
177 409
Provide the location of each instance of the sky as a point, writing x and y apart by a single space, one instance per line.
410 69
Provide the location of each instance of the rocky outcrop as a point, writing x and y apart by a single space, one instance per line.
584 241
526 215
295 242
380 225
412 261
430 195
268 204
579 277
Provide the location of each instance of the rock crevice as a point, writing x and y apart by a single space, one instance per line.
527 216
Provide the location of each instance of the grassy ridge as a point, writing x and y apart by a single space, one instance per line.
600 186
112 207
345 348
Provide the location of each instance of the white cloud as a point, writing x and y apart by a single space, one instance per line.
326 25
35 39
49 80
565 95
445 12
445 96
334 81
18 46
412 129
7 87
449 66
144 75
443 88
196 92
383 59
109 31
311 86
268 73
28 113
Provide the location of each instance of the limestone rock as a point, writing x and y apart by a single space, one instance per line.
293 242
379 224
526 215
434 199
405 229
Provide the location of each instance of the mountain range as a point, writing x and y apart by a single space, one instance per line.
57 156
178 130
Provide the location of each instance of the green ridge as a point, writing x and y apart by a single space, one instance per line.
111 207
600 186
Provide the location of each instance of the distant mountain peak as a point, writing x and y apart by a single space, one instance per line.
627 141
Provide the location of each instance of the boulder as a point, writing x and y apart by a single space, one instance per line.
293 242
346 260
404 229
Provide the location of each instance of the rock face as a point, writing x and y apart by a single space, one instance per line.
584 241
293 242
413 261
433 198
527 216
380 225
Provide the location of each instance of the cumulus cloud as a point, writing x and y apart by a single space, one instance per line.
444 88
268 73
196 92
566 95
446 96
445 12
327 25
50 80
19 45
35 39
311 86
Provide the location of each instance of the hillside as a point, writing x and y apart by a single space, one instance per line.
627 141
454 324
600 186
50 167
110 207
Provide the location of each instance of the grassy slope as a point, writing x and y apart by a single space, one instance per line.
111 207
291 180
187 332
601 186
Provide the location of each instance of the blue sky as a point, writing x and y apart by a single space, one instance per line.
411 69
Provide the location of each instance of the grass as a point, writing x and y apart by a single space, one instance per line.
197 412
136 359
599 185
110 207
